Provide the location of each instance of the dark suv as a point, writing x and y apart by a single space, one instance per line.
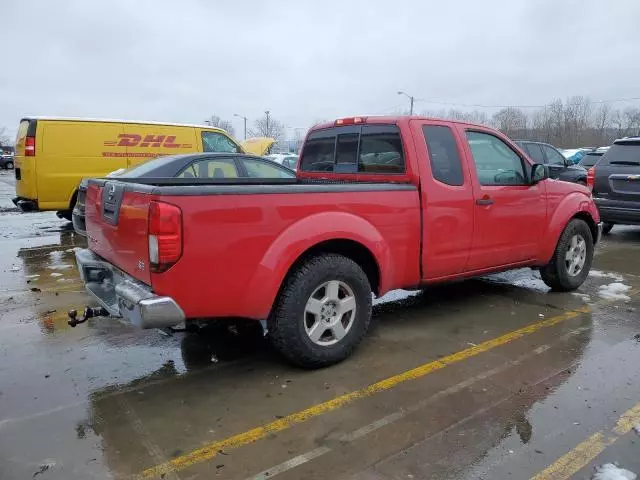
615 181
559 167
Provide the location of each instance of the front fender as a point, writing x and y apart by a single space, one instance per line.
574 204
300 237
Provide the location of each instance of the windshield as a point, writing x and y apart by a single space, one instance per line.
143 168
623 153
590 159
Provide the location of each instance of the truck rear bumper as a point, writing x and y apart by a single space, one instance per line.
123 296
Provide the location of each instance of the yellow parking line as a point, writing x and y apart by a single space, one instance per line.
586 451
210 450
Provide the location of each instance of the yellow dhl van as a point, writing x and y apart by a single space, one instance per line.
54 154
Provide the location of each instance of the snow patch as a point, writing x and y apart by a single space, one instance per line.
62 266
614 291
609 471
395 295
637 429
600 274
55 274
583 296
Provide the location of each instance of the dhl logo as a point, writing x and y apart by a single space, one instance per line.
150 141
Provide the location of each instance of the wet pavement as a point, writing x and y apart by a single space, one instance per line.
485 379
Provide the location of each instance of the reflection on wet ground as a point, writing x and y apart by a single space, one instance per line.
105 400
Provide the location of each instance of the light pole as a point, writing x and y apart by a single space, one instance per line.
410 98
267 126
245 124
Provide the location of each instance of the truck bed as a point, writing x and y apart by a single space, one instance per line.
238 234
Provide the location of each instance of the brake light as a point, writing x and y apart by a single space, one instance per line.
30 147
591 177
350 121
165 236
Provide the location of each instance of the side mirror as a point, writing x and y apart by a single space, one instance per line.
539 172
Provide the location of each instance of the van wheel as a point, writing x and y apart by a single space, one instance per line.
66 214
606 228
323 311
572 258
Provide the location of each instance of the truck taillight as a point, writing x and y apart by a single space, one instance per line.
30 147
591 177
165 236
350 120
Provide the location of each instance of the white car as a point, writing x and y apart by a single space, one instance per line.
288 160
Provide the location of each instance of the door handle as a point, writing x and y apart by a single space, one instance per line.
484 201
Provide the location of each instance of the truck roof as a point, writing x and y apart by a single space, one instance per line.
115 120
371 119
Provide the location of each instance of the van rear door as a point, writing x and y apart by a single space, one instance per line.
25 160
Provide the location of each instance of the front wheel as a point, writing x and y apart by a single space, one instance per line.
9 165
323 311
572 258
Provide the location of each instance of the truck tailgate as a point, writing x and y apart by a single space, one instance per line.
117 227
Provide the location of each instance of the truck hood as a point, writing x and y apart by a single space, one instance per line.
257 145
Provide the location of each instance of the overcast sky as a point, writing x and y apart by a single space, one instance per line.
185 60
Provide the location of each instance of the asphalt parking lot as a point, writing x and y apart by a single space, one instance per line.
485 379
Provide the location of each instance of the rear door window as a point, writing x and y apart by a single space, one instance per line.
354 149
535 152
446 166
211 168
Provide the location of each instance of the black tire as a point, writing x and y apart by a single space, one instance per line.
555 273
8 165
287 323
67 215
606 228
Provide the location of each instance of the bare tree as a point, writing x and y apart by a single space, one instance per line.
632 121
511 121
226 125
5 139
603 122
267 126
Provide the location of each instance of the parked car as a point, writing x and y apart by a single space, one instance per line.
48 173
289 160
592 157
6 161
198 166
574 155
560 168
379 203
615 183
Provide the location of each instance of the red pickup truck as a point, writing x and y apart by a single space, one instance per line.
379 203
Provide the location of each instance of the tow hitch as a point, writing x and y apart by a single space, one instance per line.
89 312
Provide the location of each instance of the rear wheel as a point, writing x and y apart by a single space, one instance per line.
572 258
323 312
8 165
606 228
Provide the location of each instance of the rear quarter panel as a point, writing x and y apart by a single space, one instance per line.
238 248
68 151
